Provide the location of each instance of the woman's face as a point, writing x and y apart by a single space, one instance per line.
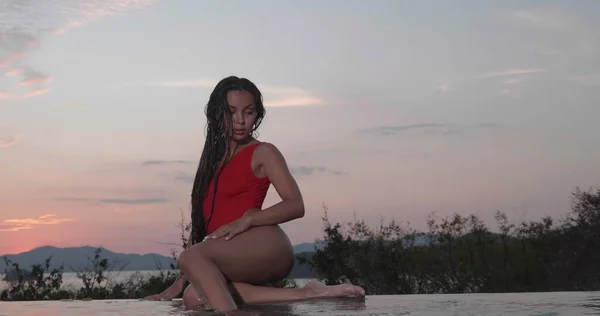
243 113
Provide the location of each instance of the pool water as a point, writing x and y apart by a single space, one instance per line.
538 304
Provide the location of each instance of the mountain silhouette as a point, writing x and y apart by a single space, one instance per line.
74 258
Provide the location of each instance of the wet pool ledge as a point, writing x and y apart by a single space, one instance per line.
553 303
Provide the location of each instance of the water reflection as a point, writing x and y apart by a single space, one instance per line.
593 304
517 304
328 307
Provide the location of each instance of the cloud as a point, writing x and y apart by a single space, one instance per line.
510 93
444 87
543 18
391 130
134 201
586 80
184 177
166 162
514 72
9 140
17 224
13 72
512 81
35 79
33 93
428 129
308 171
121 201
185 84
273 96
295 170
288 96
24 24
563 31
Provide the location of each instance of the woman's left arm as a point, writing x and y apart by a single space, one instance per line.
275 168
273 165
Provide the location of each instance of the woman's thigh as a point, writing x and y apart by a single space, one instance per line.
260 254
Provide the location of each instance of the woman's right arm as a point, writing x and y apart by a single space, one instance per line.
189 241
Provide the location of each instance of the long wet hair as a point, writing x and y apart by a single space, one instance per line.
217 146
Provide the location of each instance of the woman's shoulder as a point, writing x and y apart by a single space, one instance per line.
269 162
266 151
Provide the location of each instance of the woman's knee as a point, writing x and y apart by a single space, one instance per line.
183 258
191 256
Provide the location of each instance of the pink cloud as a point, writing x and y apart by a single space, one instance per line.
25 23
514 72
275 96
13 72
16 228
69 25
17 224
9 141
33 93
289 96
17 56
295 100
512 81
7 96
80 12
35 79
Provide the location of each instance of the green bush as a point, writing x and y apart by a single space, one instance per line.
459 254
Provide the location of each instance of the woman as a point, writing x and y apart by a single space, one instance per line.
237 247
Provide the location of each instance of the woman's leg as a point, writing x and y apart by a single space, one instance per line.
257 256
245 293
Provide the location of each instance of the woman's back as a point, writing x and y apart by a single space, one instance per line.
238 190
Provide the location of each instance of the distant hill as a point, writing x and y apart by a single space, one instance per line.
77 257
308 247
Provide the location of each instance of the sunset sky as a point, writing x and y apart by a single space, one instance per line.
389 109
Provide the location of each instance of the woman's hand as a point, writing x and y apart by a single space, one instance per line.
170 293
236 227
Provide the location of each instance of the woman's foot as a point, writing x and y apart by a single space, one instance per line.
318 289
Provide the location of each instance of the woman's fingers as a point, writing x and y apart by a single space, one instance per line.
154 297
232 233
215 234
228 231
224 230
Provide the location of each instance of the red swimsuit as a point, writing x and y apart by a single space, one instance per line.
238 190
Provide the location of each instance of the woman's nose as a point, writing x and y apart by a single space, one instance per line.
239 118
